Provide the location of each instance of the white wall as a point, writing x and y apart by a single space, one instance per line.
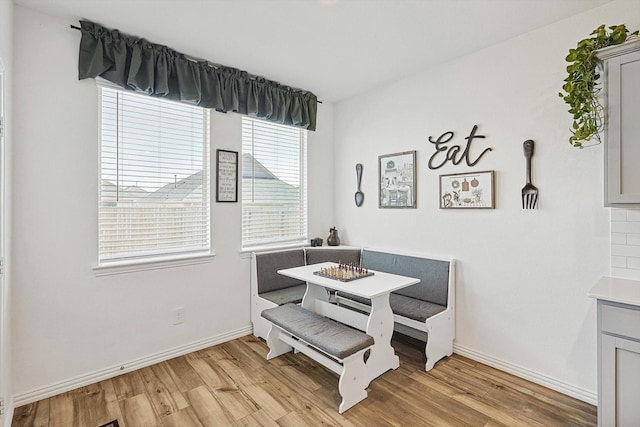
69 325
523 275
6 61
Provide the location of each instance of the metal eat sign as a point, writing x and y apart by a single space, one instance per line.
444 154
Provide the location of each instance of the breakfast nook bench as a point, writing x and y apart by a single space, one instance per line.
426 310
270 289
334 345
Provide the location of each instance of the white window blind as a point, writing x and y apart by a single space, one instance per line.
274 184
154 183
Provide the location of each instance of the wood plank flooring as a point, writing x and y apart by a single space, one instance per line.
232 384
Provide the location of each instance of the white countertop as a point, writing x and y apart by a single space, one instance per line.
624 291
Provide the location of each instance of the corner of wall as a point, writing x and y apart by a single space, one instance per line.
6 67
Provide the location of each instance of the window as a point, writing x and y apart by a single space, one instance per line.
154 178
274 184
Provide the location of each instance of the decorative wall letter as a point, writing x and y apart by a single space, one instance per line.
453 153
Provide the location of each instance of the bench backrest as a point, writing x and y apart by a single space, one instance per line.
433 274
318 255
268 264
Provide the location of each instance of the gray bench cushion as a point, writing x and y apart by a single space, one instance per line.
433 274
318 255
268 264
414 308
335 339
292 294
405 306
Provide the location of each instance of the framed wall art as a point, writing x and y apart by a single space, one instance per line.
473 190
226 176
397 180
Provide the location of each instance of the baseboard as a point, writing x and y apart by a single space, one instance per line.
527 374
103 374
113 371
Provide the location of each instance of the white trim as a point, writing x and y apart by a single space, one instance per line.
535 377
119 267
5 349
617 50
132 365
8 412
274 247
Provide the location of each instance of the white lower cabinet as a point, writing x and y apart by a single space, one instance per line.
619 365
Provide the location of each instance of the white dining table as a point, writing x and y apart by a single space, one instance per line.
378 323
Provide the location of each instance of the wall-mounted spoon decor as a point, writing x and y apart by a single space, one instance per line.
359 194
529 191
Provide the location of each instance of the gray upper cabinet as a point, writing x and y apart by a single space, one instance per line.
622 135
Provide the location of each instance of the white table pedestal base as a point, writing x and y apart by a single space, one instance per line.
380 326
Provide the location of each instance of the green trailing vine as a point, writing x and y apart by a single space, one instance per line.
581 88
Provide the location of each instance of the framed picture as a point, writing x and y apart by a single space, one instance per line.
397 180
226 176
473 190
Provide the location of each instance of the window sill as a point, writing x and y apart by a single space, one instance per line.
266 248
120 267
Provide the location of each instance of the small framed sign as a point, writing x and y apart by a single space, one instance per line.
226 176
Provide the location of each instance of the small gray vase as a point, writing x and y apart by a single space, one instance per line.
333 239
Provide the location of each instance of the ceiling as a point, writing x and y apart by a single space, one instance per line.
334 48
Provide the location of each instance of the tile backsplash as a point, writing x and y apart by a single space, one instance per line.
625 243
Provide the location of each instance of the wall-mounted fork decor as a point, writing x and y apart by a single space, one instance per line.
529 191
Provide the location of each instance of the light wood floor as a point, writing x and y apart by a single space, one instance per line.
232 384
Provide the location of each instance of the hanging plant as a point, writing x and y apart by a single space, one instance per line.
581 85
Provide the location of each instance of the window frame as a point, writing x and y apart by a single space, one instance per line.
165 259
303 201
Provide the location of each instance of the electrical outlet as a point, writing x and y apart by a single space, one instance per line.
178 315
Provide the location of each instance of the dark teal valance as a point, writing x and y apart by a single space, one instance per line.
135 64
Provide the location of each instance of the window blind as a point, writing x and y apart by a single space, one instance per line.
274 183
154 182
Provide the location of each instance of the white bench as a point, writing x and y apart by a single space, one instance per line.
270 289
425 311
334 345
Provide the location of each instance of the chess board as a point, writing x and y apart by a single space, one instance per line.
343 273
